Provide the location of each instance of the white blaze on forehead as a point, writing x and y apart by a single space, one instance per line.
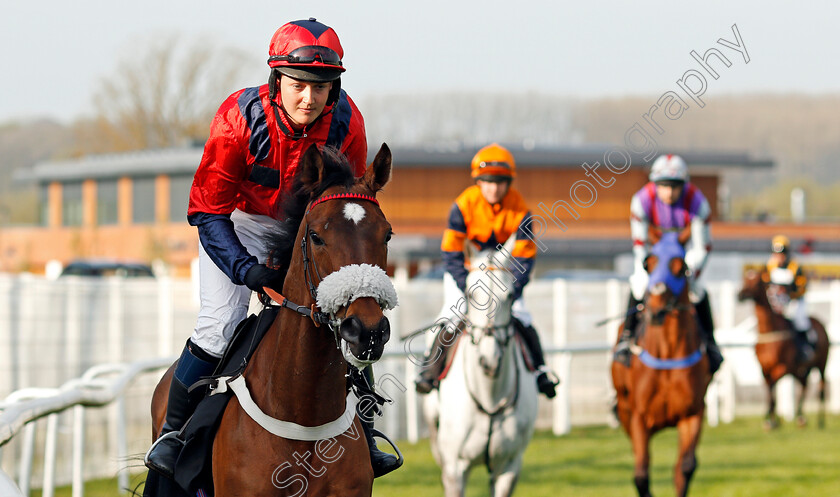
354 212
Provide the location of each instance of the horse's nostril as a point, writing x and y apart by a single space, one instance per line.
385 329
351 330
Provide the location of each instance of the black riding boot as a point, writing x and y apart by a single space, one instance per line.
804 347
193 364
382 462
628 334
434 362
707 328
546 380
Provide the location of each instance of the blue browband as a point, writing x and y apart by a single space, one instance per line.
681 363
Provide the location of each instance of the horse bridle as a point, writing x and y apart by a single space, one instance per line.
317 317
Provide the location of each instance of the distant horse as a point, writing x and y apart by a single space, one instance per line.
297 375
776 347
485 408
666 382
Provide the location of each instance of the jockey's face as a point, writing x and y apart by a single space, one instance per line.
669 191
493 191
303 101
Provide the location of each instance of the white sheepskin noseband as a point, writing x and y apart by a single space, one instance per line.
351 282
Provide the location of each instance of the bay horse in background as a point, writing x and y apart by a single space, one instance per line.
298 371
666 382
776 348
486 406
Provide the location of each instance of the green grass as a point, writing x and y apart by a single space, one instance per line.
735 460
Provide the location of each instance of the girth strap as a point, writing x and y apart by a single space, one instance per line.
286 429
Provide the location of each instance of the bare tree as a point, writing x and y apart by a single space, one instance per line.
163 95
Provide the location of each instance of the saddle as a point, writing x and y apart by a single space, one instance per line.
193 468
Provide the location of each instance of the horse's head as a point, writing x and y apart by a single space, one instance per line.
667 284
489 300
753 286
343 237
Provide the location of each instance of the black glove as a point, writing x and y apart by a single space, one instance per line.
260 275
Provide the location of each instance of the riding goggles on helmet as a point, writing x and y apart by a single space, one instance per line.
308 55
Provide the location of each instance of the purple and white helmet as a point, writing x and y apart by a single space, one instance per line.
669 167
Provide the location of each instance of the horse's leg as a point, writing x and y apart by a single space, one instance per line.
770 420
504 480
454 476
640 439
801 420
821 415
688 430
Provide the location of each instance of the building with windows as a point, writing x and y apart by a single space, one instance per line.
133 206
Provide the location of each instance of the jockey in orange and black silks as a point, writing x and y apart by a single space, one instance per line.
472 218
486 215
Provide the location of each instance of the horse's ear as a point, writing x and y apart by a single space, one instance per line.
684 235
650 263
312 168
379 172
677 266
654 234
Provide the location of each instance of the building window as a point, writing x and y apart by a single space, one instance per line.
71 204
143 200
106 202
179 197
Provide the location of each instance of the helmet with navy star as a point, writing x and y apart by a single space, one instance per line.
306 50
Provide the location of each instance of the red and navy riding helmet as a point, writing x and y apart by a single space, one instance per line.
306 50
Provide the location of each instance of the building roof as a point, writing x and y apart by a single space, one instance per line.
185 161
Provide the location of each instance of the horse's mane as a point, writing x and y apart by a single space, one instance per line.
280 241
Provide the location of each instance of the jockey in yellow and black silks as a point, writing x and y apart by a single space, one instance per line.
786 273
485 215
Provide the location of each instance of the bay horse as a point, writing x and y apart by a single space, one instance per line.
776 348
485 407
297 376
666 382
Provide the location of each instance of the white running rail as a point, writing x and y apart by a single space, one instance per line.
21 408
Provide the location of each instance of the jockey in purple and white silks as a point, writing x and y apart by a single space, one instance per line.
669 203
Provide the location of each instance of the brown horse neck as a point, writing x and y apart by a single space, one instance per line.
300 368
768 319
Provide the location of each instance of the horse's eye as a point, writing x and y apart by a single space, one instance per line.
315 238
388 236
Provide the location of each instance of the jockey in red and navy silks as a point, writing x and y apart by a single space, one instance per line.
669 203
486 215
250 160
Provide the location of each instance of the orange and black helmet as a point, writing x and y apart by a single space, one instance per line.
494 162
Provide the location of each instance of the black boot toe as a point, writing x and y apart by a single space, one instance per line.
162 456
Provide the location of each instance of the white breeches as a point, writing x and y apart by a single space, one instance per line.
223 303
797 311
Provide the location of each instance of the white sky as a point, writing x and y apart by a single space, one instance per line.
54 52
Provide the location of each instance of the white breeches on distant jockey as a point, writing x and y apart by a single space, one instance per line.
223 303
797 311
455 306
